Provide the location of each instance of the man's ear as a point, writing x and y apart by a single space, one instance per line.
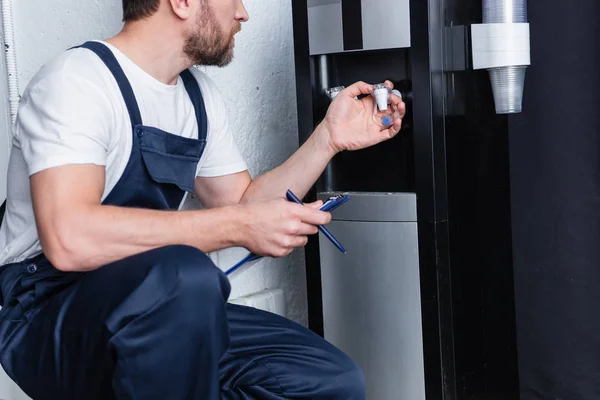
181 8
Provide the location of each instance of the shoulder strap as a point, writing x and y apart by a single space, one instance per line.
113 65
193 89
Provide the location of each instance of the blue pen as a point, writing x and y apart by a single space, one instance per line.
247 259
292 197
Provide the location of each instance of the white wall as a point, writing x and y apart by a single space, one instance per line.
259 89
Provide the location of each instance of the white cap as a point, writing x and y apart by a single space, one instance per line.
381 96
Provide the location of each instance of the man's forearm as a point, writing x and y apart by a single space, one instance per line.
98 235
298 173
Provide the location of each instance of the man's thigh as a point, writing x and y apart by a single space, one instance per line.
62 350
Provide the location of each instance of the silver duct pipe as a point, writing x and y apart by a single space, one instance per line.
504 11
501 45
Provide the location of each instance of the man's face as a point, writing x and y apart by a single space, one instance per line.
211 40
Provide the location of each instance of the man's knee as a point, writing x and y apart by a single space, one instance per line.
179 281
194 276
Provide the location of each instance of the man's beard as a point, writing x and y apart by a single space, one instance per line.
207 45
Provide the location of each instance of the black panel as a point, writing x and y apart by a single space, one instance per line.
430 187
304 93
483 313
555 178
480 238
352 24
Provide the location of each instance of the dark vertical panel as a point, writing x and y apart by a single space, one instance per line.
352 24
481 258
428 130
480 231
304 79
555 178
304 93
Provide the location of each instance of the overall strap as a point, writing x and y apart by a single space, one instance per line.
193 90
113 65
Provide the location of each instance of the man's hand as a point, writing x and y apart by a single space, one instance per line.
349 122
275 228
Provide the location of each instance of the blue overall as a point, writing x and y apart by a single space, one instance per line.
156 325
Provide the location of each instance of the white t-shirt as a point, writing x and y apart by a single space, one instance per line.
72 112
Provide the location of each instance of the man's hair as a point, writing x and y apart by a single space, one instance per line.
137 9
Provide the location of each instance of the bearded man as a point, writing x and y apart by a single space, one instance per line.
105 285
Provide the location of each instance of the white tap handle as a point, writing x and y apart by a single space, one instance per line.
382 95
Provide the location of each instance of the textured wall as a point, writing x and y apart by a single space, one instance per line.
258 88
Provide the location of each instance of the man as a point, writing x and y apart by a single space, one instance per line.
106 289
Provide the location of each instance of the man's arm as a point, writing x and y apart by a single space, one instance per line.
78 233
348 126
223 190
298 173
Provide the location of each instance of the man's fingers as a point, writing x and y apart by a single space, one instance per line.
314 217
358 89
307 229
317 204
398 103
